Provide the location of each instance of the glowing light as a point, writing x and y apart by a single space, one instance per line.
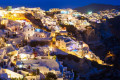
75 50
8 44
87 56
85 45
64 12
20 66
70 23
90 12
15 15
1 14
37 30
50 48
23 56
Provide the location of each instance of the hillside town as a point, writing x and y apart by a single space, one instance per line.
36 44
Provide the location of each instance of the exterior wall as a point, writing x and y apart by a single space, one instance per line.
57 43
14 26
61 44
2 54
24 56
59 78
12 74
28 32
52 34
64 33
33 77
4 22
45 70
39 35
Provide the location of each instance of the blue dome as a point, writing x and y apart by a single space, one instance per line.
38 30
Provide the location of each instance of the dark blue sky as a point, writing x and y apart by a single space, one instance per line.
47 4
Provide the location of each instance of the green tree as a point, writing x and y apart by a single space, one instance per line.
38 71
51 76
9 8
54 57
15 69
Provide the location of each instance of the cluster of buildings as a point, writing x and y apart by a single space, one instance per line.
102 15
23 61
70 17
50 23
18 59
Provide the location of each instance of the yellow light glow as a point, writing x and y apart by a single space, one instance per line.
8 44
23 56
87 56
15 15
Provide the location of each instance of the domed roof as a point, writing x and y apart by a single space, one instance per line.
28 27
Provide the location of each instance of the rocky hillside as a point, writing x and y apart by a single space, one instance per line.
96 8
114 25
101 39
36 22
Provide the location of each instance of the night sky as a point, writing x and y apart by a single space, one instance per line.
47 4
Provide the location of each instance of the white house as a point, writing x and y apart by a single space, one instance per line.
25 53
44 65
10 74
28 31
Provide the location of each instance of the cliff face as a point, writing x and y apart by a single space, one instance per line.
113 43
114 25
92 36
36 22
78 65
101 39
104 37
